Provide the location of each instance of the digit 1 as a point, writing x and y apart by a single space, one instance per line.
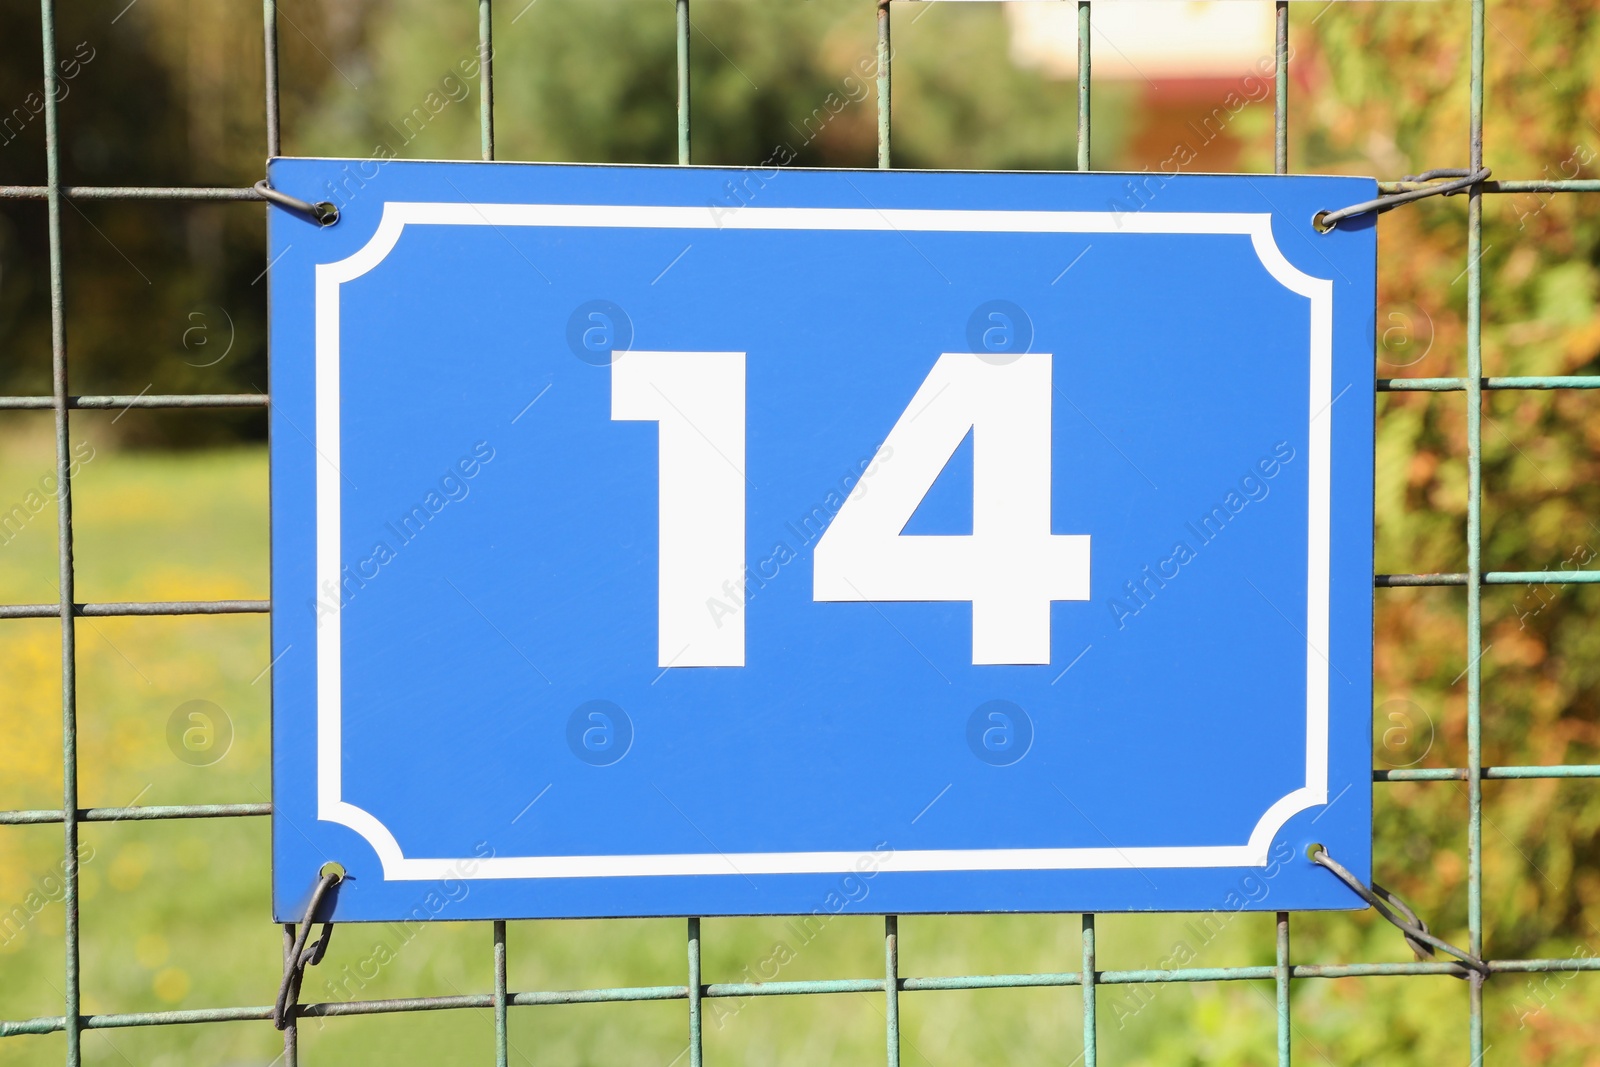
697 398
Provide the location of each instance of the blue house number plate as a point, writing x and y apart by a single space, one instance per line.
684 541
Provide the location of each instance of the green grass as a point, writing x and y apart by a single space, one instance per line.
176 914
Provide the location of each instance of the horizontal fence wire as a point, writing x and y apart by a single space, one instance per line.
1282 972
819 987
1573 577
133 608
141 400
142 813
126 192
179 192
1456 385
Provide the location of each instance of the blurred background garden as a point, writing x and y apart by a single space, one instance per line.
169 298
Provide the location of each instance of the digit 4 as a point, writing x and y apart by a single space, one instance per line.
1011 567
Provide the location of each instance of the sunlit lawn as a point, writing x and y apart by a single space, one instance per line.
175 914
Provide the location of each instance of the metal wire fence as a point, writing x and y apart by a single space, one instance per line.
1283 972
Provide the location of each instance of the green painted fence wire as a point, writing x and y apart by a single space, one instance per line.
1282 972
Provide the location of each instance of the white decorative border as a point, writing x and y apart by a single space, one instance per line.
397 216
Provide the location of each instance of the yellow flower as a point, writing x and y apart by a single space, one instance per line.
171 984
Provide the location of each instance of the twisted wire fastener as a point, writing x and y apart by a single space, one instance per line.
304 955
1416 932
1324 221
323 214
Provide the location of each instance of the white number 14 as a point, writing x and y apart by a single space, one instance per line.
1010 568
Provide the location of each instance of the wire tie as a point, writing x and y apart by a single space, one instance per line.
1324 221
304 955
1397 911
323 214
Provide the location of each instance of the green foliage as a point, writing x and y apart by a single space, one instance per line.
1390 91
172 95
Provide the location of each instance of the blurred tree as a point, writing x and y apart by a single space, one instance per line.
168 298
596 82
1384 89
161 297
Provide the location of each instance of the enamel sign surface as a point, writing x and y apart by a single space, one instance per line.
684 541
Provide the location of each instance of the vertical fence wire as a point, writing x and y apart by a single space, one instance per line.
1280 165
269 41
1282 978
486 78
891 924
683 80
891 988
501 1036
269 49
1280 110
696 990
1083 84
72 1005
291 1032
1091 1042
696 986
1474 392
885 54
